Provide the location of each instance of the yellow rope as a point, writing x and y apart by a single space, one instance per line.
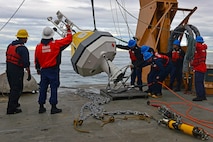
139 117
79 123
110 120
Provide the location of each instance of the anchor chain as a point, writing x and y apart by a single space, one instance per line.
95 109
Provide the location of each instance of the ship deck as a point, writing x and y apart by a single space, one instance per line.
29 126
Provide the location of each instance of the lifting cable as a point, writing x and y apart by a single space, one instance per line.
207 124
12 15
123 13
117 31
164 29
93 14
125 20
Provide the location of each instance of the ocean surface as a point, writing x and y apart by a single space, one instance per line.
69 78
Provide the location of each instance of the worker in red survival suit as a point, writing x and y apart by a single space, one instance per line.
17 59
47 64
137 61
176 56
199 67
160 68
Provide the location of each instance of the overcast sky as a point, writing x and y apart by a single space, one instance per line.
33 14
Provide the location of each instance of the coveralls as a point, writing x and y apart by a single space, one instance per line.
17 56
47 62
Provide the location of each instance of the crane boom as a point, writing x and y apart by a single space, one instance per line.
155 18
154 23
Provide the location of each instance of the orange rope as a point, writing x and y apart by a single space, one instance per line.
190 105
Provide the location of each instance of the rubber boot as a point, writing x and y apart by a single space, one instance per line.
14 111
141 89
42 109
55 110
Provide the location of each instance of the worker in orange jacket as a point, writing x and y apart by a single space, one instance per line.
47 63
199 67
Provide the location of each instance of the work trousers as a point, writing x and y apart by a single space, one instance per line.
49 76
136 72
176 73
15 75
154 85
199 84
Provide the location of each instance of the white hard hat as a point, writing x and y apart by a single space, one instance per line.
47 33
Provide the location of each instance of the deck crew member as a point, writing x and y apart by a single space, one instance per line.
160 68
17 59
177 56
137 61
47 62
199 67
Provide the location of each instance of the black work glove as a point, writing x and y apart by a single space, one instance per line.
38 71
29 77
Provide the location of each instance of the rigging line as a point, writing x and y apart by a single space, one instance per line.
128 12
120 39
117 17
125 19
114 19
129 30
12 15
118 29
165 29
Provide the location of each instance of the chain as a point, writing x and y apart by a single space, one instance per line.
168 114
126 112
97 111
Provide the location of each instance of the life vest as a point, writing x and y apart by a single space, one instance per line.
12 56
164 57
132 55
165 60
175 55
199 55
199 61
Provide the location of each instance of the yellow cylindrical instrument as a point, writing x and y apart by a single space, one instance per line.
185 128
188 129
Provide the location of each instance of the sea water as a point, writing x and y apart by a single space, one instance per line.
69 78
